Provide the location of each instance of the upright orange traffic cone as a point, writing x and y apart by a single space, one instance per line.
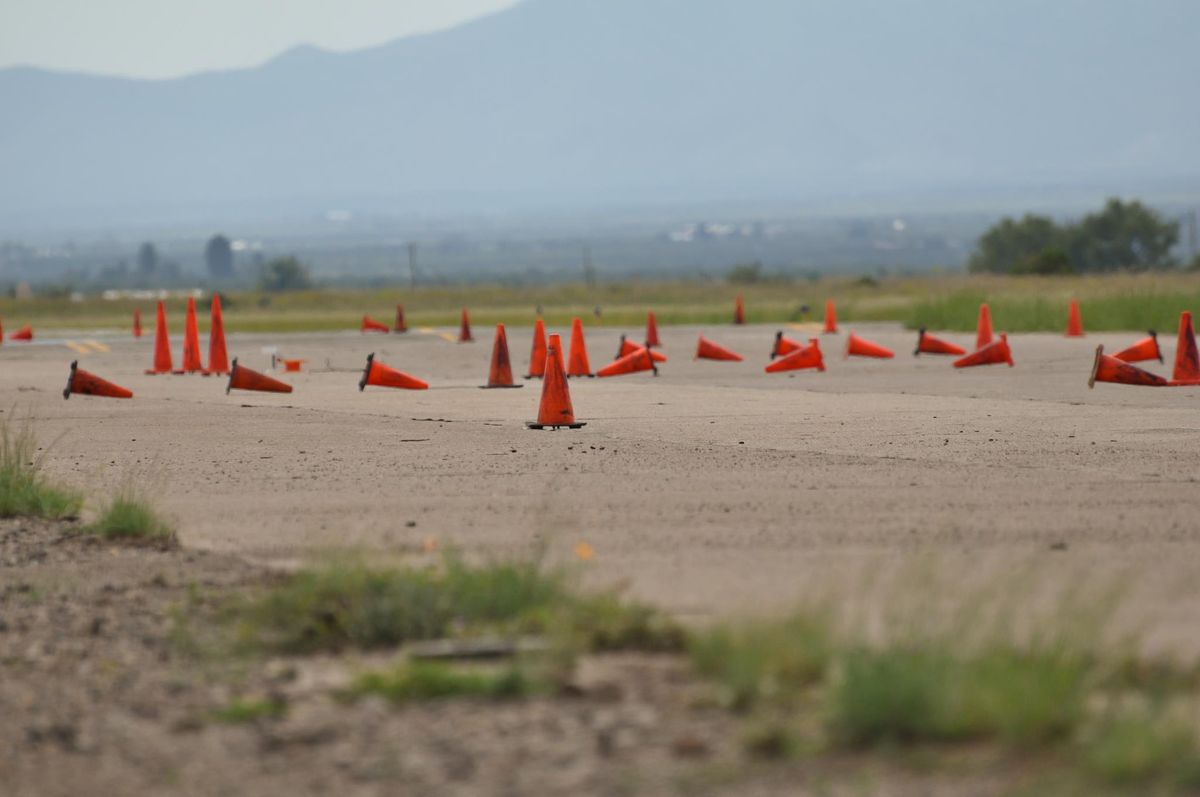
380 375
162 344
243 378
739 310
983 328
537 357
24 333
1110 369
137 323
629 347
861 347
191 342
464 328
80 381
218 357
783 346
400 326
640 359
577 360
555 410
1187 360
1145 349
500 373
707 350
1074 321
830 317
371 325
928 344
1 332
994 353
805 357
651 331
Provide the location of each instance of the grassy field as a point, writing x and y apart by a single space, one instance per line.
1019 304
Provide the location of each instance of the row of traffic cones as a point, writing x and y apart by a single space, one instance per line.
1118 367
218 358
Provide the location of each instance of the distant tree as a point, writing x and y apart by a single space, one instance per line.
1051 260
746 273
218 255
284 274
147 259
1123 235
1010 245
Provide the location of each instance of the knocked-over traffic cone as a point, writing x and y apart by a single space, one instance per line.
244 378
218 357
1145 349
739 310
1187 360
640 359
380 375
400 325
577 359
464 328
805 357
994 353
707 350
629 347
24 333
861 347
137 323
1110 369
83 382
830 317
500 373
651 331
1074 321
191 342
292 366
983 328
162 344
537 357
928 344
555 410
371 325
783 346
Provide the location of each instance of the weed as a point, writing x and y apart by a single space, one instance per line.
435 681
24 491
129 516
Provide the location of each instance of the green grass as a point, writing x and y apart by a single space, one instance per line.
130 517
437 681
24 491
243 710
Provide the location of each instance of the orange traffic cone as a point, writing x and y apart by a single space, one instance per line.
928 344
191 342
805 357
830 317
80 381
640 359
400 325
162 344
651 331
994 353
537 357
137 323
861 347
629 347
500 374
555 410
783 346
291 366
1110 369
1187 360
24 333
464 328
739 310
1 332
371 325
983 329
380 375
244 378
1074 321
707 350
1145 349
577 360
218 357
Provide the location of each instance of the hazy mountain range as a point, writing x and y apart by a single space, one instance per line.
561 102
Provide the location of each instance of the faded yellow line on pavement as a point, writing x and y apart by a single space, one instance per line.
443 335
78 348
97 345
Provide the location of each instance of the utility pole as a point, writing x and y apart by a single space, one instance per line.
412 265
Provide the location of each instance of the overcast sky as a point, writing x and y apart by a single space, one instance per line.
167 38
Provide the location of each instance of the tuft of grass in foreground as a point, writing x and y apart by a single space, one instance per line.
24 491
130 517
434 681
244 710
